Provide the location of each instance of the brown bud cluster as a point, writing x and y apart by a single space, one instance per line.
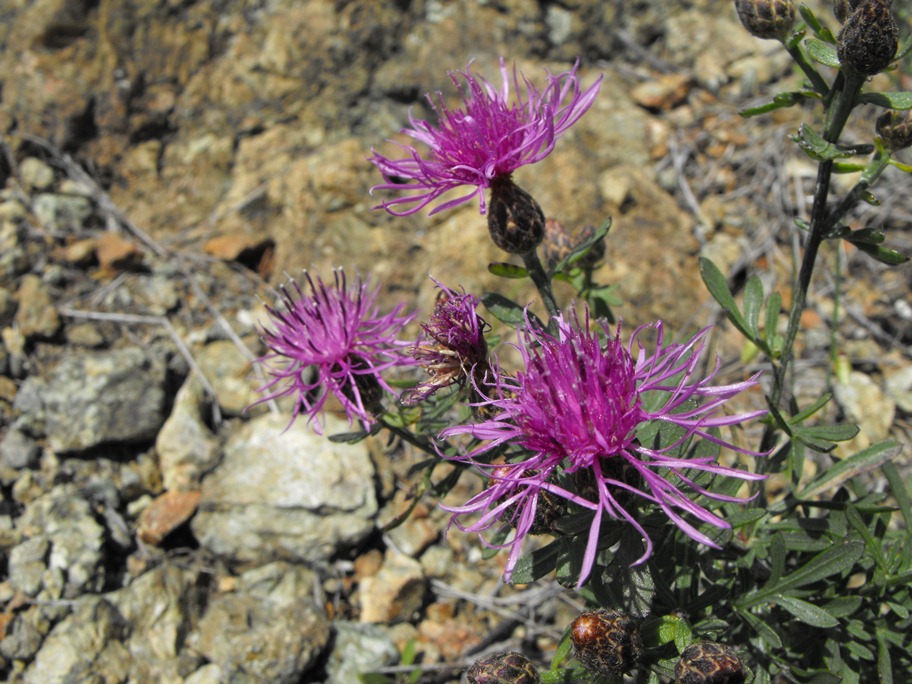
606 642
869 39
895 129
515 221
843 8
766 18
558 245
708 662
503 668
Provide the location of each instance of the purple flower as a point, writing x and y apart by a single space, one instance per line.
332 341
575 411
488 138
452 346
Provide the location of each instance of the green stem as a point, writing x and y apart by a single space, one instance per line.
817 81
540 277
409 437
841 102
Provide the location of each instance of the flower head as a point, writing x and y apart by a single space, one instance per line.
576 410
452 346
332 341
488 138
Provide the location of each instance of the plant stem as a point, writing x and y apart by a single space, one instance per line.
409 437
841 102
540 277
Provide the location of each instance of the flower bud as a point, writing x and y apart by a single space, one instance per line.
606 642
843 8
766 18
895 128
503 668
868 41
707 662
515 221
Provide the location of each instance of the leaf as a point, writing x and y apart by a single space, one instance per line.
753 302
817 148
890 257
821 31
505 270
822 52
779 101
718 288
761 628
836 559
506 310
874 456
563 649
770 331
537 564
806 612
884 661
900 491
898 100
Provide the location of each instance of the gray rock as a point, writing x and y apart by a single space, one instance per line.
358 648
36 174
228 370
18 450
75 543
98 398
23 637
186 448
62 213
27 563
266 629
286 494
899 388
87 646
160 608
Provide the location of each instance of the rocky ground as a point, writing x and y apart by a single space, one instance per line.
164 162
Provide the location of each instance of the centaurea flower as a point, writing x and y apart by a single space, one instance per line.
575 411
452 347
333 341
484 141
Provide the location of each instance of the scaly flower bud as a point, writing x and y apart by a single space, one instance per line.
503 668
868 41
515 221
895 128
606 642
843 8
707 662
766 18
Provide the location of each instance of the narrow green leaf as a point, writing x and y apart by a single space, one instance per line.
506 310
900 490
771 327
874 546
505 270
562 650
867 459
890 257
836 559
898 100
822 52
806 612
779 101
806 413
537 564
817 148
760 627
839 432
884 661
819 29
753 302
718 288
848 167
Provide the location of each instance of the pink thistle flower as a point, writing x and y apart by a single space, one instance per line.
332 341
575 411
452 347
487 139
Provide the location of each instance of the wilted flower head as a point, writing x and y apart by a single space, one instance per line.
332 340
452 347
576 409
488 138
